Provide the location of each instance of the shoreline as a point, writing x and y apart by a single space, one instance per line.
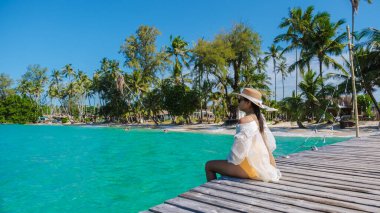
283 129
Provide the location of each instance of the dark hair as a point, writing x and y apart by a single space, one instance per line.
256 110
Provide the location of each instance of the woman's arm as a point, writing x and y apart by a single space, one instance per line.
239 148
241 143
270 142
272 160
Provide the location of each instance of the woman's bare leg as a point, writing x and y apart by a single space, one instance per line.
224 168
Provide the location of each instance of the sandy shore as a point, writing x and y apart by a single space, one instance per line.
281 129
286 129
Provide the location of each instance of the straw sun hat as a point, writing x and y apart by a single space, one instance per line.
253 95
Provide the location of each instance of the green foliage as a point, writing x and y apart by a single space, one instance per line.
109 83
245 43
179 50
179 99
65 120
33 82
229 59
229 62
5 86
365 105
18 109
311 91
87 120
153 101
293 107
141 55
317 37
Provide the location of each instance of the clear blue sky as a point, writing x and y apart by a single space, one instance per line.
53 33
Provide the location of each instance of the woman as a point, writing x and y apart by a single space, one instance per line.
251 153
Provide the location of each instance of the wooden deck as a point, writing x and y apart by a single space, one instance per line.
343 177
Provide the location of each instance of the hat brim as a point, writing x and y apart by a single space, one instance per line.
250 99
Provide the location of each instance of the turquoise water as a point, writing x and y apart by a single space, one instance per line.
92 169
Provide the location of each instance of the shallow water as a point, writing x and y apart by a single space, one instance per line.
89 169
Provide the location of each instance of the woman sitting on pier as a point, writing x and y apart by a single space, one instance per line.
251 154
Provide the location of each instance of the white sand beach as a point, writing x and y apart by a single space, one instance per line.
288 129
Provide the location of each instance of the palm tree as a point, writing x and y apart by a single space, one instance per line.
252 78
373 43
109 83
283 69
219 104
293 108
325 44
319 39
261 64
275 54
311 87
368 65
83 89
355 7
138 87
199 69
55 90
68 72
181 53
297 25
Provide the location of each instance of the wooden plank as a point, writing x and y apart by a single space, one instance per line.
255 200
375 169
309 191
224 203
347 162
332 169
167 208
343 177
337 157
332 179
340 171
339 154
276 199
355 173
356 145
361 178
353 151
335 169
357 187
331 189
342 152
300 196
351 148
342 162
192 205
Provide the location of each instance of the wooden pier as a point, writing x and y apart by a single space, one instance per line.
343 177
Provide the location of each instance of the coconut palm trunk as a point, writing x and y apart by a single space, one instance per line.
353 23
321 76
283 87
296 73
275 80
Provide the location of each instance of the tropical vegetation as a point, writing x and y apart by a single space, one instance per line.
173 83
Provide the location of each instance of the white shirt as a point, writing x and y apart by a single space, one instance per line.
249 143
